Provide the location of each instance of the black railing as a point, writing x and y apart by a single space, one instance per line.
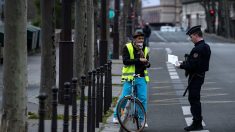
99 95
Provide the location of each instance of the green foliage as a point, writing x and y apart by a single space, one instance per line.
110 111
78 98
107 115
32 115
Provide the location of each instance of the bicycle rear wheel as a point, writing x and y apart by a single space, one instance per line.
131 114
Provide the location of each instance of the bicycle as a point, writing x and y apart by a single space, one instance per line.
130 111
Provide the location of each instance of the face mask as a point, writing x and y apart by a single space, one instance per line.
139 45
189 38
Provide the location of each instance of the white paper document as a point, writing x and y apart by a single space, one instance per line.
173 59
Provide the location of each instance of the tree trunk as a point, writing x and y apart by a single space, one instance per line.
90 37
48 59
227 19
96 31
14 112
124 24
210 20
220 29
80 43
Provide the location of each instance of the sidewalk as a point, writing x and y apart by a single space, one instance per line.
117 88
107 127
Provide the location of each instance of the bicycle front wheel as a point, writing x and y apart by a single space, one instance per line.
131 114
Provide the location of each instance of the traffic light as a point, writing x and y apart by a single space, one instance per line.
212 12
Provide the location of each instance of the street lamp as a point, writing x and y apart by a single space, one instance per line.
115 31
103 41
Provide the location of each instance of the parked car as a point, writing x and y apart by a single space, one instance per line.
167 29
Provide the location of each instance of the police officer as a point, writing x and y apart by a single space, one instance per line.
196 65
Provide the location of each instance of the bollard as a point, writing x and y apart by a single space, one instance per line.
106 102
101 93
97 96
110 82
89 107
93 119
41 111
54 109
74 105
82 105
66 106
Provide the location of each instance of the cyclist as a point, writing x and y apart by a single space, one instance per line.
136 60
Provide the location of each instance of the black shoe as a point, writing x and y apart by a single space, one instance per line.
194 127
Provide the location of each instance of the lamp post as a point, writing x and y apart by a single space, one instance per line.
65 49
116 31
103 50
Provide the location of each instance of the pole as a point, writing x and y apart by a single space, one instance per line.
103 52
66 49
116 31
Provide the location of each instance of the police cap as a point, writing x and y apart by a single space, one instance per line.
193 30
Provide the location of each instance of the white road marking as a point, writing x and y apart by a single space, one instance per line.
173 73
155 68
174 77
189 121
172 70
160 37
168 51
161 87
186 110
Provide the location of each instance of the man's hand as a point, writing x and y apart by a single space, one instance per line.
177 64
144 60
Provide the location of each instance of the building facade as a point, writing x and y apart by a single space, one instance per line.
193 14
167 12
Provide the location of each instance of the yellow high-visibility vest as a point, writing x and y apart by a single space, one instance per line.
128 71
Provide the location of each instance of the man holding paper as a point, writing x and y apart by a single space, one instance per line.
196 65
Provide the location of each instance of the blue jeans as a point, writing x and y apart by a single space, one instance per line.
141 86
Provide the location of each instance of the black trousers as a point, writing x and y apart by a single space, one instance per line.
195 83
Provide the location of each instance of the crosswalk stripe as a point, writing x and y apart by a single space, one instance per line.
189 121
186 110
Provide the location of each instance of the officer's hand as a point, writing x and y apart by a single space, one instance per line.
144 60
177 64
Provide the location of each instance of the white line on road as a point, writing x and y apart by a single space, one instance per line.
189 121
168 51
186 110
160 37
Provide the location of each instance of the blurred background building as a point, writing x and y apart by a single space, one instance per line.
168 12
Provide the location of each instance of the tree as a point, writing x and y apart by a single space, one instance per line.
14 110
124 20
96 31
80 43
48 59
90 37
209 7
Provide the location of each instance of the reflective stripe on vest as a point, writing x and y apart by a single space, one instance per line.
128 71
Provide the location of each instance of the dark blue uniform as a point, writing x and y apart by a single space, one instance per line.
196 66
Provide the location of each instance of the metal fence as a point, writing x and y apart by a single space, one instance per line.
99 86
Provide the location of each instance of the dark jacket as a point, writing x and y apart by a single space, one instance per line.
198 59
147 31
139 66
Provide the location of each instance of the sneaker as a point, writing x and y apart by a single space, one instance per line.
146 125
115 121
